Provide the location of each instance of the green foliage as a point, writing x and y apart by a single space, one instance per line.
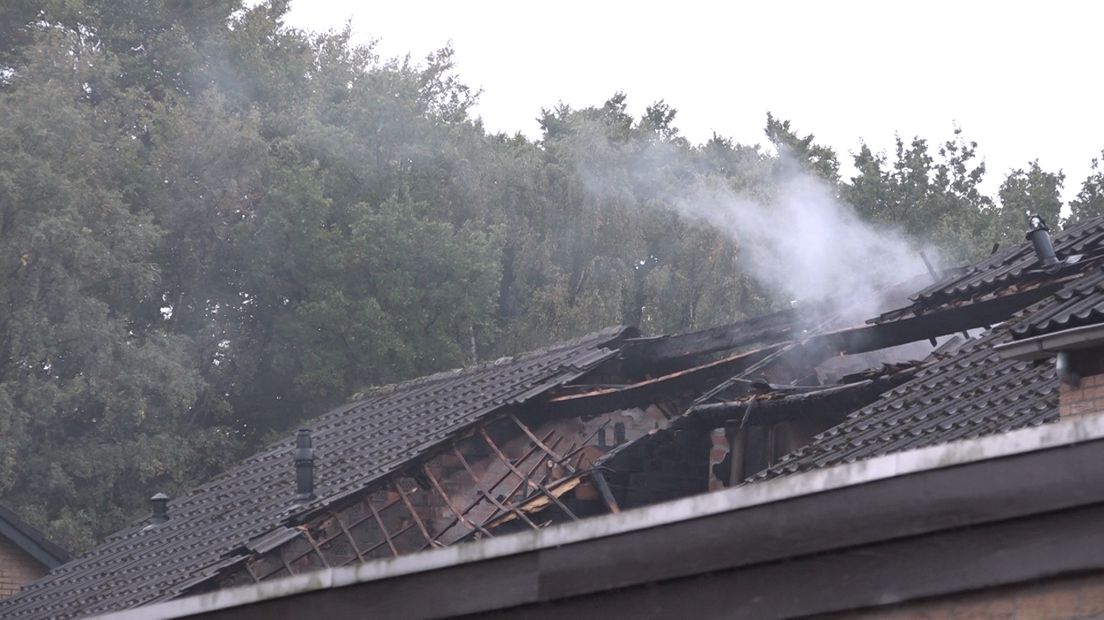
935 199
1089 202
815 158
213 227
1030 191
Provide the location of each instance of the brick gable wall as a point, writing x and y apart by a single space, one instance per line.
17 569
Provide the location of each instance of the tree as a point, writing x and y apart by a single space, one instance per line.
934 199
93 401
1027 191
818 159
1089 202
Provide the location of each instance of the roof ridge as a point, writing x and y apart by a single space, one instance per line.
603 336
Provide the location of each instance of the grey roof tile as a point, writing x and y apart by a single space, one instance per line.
355 446
1015 265
1080 302
973 392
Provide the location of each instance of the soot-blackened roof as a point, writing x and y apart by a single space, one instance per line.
971 393
355 445
1080 302
1015 266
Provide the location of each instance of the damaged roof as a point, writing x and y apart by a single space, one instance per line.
1015 267
974 391
962 390
356 445
971 393
32 541
1080 302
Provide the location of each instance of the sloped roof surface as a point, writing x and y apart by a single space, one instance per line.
355 445
1081 302
972 392
1012 265
30 539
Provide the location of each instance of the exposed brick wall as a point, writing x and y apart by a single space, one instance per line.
1087 398
1062 598
17 569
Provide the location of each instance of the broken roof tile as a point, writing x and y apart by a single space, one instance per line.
972 393
356 445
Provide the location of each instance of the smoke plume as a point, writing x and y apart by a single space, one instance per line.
801 242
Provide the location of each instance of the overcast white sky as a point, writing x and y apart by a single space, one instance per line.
1022 79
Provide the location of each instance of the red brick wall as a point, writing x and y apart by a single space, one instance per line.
17 569
1088 396
1062 598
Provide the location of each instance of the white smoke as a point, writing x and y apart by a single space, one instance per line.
806 245
801 243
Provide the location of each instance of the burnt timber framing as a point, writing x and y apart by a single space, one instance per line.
410 470
525 487
753 411
395 517
1001 510
808 351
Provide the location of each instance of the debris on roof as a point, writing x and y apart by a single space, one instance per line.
606 423
356 445
972 393
1080 302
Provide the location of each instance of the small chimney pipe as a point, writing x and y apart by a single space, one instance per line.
159 504
304 466
1039 235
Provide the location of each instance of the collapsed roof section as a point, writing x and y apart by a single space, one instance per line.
1012 273
608 422
1081 302
253 504
969 393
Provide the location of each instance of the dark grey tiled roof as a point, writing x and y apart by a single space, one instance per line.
1013 265
1080 302
972 392
31 540
355 446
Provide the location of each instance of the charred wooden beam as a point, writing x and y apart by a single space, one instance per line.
487 494
600 483
833 400
535 485
414 513
314 547
683 383
352 539
396 534
666 350
941 323
559 460
382 528
786 325
461 516
481 495
808 352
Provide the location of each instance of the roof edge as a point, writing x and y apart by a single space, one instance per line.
1047 345
1050 436
31 540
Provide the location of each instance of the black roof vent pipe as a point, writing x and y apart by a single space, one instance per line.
159 504
304 466
1039 235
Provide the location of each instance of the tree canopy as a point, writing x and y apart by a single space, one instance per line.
213 226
